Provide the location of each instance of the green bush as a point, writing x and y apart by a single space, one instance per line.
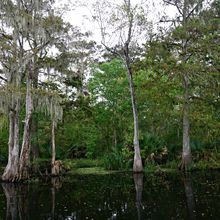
118 160
151 144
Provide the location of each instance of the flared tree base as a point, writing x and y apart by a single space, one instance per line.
186 163
56 168
137 166
9 176
24 173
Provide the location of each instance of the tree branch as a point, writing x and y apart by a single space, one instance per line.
174 4
190 13
2 78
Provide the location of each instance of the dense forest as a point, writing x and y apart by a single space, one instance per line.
146 94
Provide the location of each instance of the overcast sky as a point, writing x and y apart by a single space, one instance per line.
79 15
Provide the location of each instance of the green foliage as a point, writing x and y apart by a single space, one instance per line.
151 143
81 163
118 160
150 167
3 145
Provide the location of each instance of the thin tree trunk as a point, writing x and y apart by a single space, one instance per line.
114 141
34 122
186 153
137 165
34 133
24 164
53 150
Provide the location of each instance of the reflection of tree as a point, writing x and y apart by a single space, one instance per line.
56 184
17 203
189 196
10 191
138 181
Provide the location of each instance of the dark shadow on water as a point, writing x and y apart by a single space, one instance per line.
117 196
138 182
189 195
56 183
17 201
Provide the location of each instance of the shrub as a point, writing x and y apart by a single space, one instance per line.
118 160
151 144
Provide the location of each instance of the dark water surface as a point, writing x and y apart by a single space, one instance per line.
115 196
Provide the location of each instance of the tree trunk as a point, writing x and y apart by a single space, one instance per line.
24 164
11 170
137 165
53 150
34 122
34 133
186 153
56 165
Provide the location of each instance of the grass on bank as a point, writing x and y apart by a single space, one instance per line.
85 166
73 166
97 167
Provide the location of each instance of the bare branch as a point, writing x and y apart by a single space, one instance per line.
174 4
113 51
2 78
191 12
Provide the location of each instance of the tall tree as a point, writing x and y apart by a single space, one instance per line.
123 24
13 66
30 30
187 11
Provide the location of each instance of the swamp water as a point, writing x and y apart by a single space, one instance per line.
115 196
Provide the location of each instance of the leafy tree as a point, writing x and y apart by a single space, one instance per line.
124 23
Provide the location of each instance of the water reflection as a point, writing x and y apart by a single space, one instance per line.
12 208
189 196
138 182
17 201
116 196
56 183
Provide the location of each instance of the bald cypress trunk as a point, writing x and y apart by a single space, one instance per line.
34 121
53 150
34 133
11 170
137 165
24 163
186 152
